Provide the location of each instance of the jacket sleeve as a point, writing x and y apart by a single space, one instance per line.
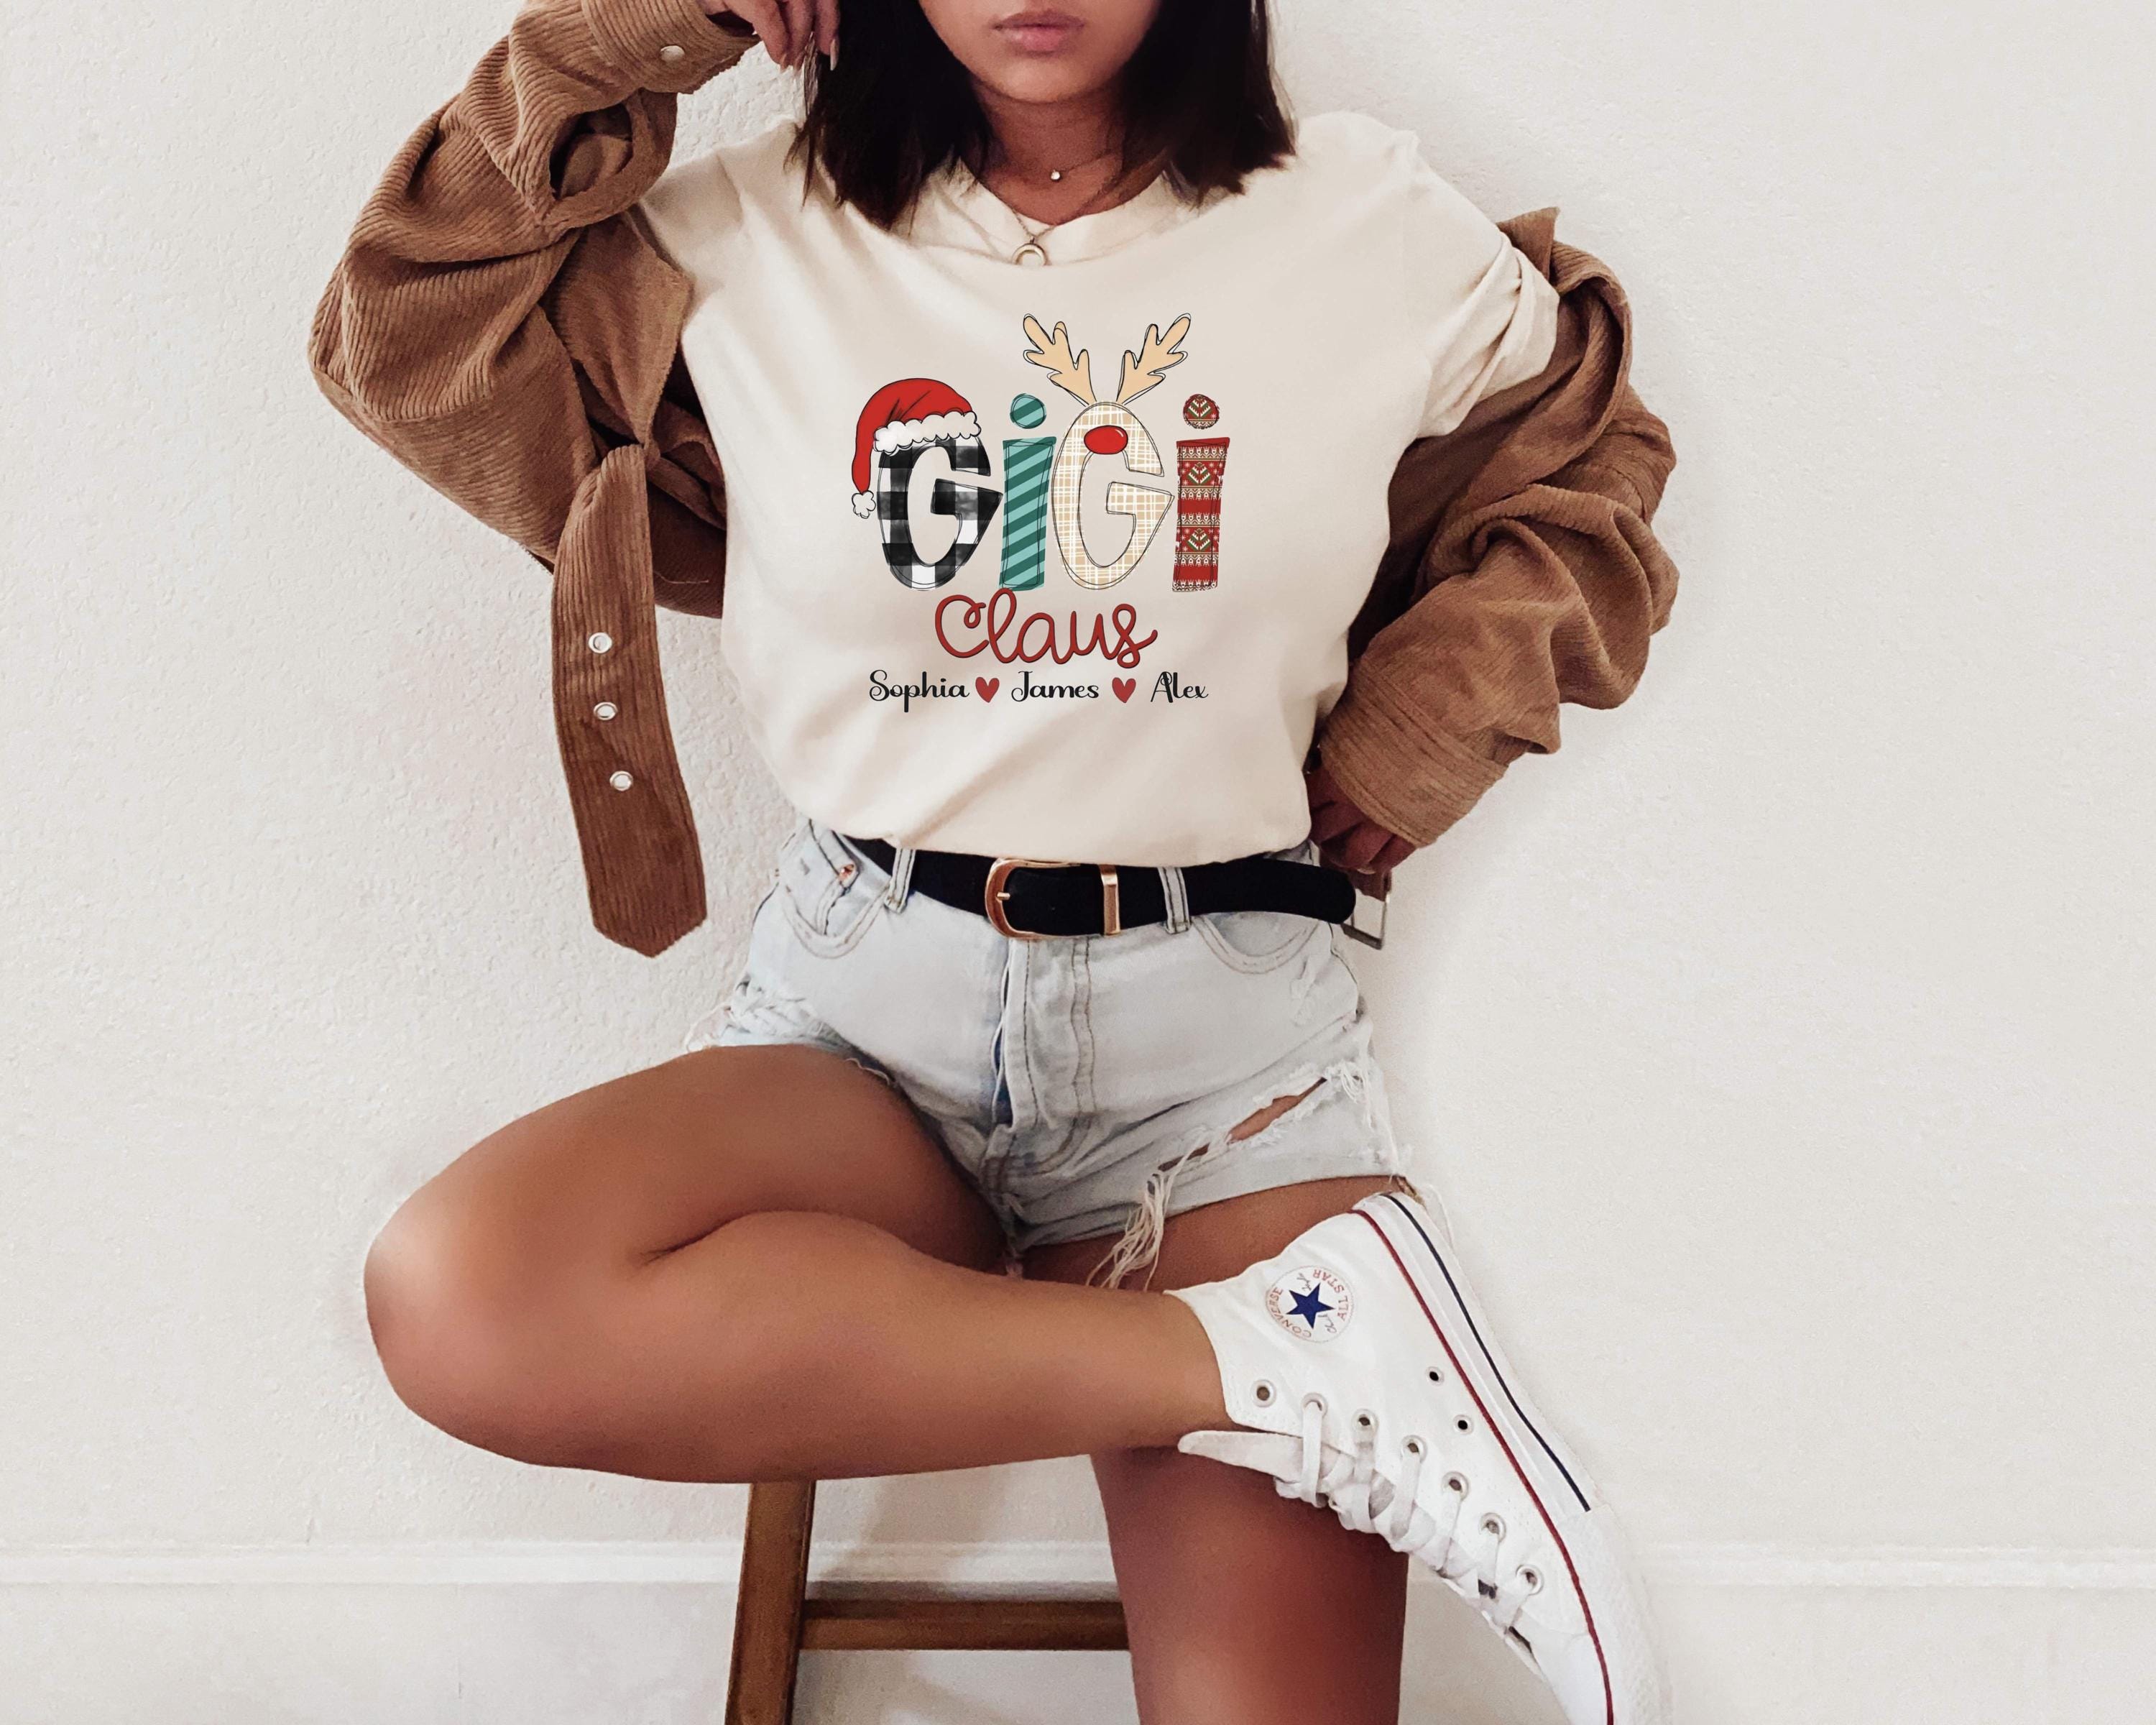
500 317
1523 571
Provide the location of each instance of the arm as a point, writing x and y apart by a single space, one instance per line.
472 326
503 324
1523 573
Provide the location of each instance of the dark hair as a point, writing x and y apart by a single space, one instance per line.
1197 96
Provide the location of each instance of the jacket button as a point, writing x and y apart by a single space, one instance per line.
600 642
672 52
621 781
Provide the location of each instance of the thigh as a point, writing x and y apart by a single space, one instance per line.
1242 1606
622 1172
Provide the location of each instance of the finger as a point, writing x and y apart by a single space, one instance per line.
1329 820
1362 846
800 29
1337 816
1371 885
769 21
827 25
1330 856
1396 851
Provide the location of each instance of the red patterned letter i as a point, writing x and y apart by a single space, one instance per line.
1200 464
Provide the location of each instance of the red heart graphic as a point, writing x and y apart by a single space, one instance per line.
1124 686
987 687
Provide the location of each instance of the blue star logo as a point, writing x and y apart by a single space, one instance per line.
1307 1305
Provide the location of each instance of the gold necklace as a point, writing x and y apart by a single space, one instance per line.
1032 251
1057 173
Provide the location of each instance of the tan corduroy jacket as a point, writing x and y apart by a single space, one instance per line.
503 324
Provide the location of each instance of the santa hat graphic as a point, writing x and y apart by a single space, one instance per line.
914 410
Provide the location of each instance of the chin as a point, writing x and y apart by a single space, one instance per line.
1041 78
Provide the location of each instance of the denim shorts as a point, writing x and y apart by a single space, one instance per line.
1083 1086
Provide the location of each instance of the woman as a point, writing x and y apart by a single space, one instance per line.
993 1158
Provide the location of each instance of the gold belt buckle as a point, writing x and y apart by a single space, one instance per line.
997 894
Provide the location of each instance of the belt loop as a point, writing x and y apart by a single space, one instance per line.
1177 896
901 877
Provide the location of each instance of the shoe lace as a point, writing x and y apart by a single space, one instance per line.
1473 1557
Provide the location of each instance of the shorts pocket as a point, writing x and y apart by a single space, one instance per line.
1254 942
828 900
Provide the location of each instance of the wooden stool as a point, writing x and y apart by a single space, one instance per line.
775 1616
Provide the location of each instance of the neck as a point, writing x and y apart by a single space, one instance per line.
1075 136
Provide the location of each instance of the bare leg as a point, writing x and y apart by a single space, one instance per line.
1244 1607
754 1263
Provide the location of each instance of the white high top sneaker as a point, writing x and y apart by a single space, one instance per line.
1365 1365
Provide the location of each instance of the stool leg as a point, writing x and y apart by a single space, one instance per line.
767 1611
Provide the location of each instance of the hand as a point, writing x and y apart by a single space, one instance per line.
1349 839
788 28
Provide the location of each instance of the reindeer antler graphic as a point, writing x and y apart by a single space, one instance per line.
1143 369
1053 353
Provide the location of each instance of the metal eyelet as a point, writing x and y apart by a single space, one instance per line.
1364 1419
1413 1445
1532 1577
1494 1526
1437 1376
1313 1396
1457 1482
1464 1423
1262 1394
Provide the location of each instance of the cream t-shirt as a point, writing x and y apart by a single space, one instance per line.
1057 559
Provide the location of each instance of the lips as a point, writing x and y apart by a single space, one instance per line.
1039 29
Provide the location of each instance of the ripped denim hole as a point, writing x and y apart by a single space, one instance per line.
1139 1245
1258 1121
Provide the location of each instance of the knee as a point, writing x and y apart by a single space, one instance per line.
457 1314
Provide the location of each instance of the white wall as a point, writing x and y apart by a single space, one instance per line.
1780 1042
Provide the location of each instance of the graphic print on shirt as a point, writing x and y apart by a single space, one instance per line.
900 423
1026 461
1201 464
1043 485
1106 428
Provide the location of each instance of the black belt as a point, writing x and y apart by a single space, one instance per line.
1039 900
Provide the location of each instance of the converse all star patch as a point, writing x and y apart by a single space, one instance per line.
1311 1303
